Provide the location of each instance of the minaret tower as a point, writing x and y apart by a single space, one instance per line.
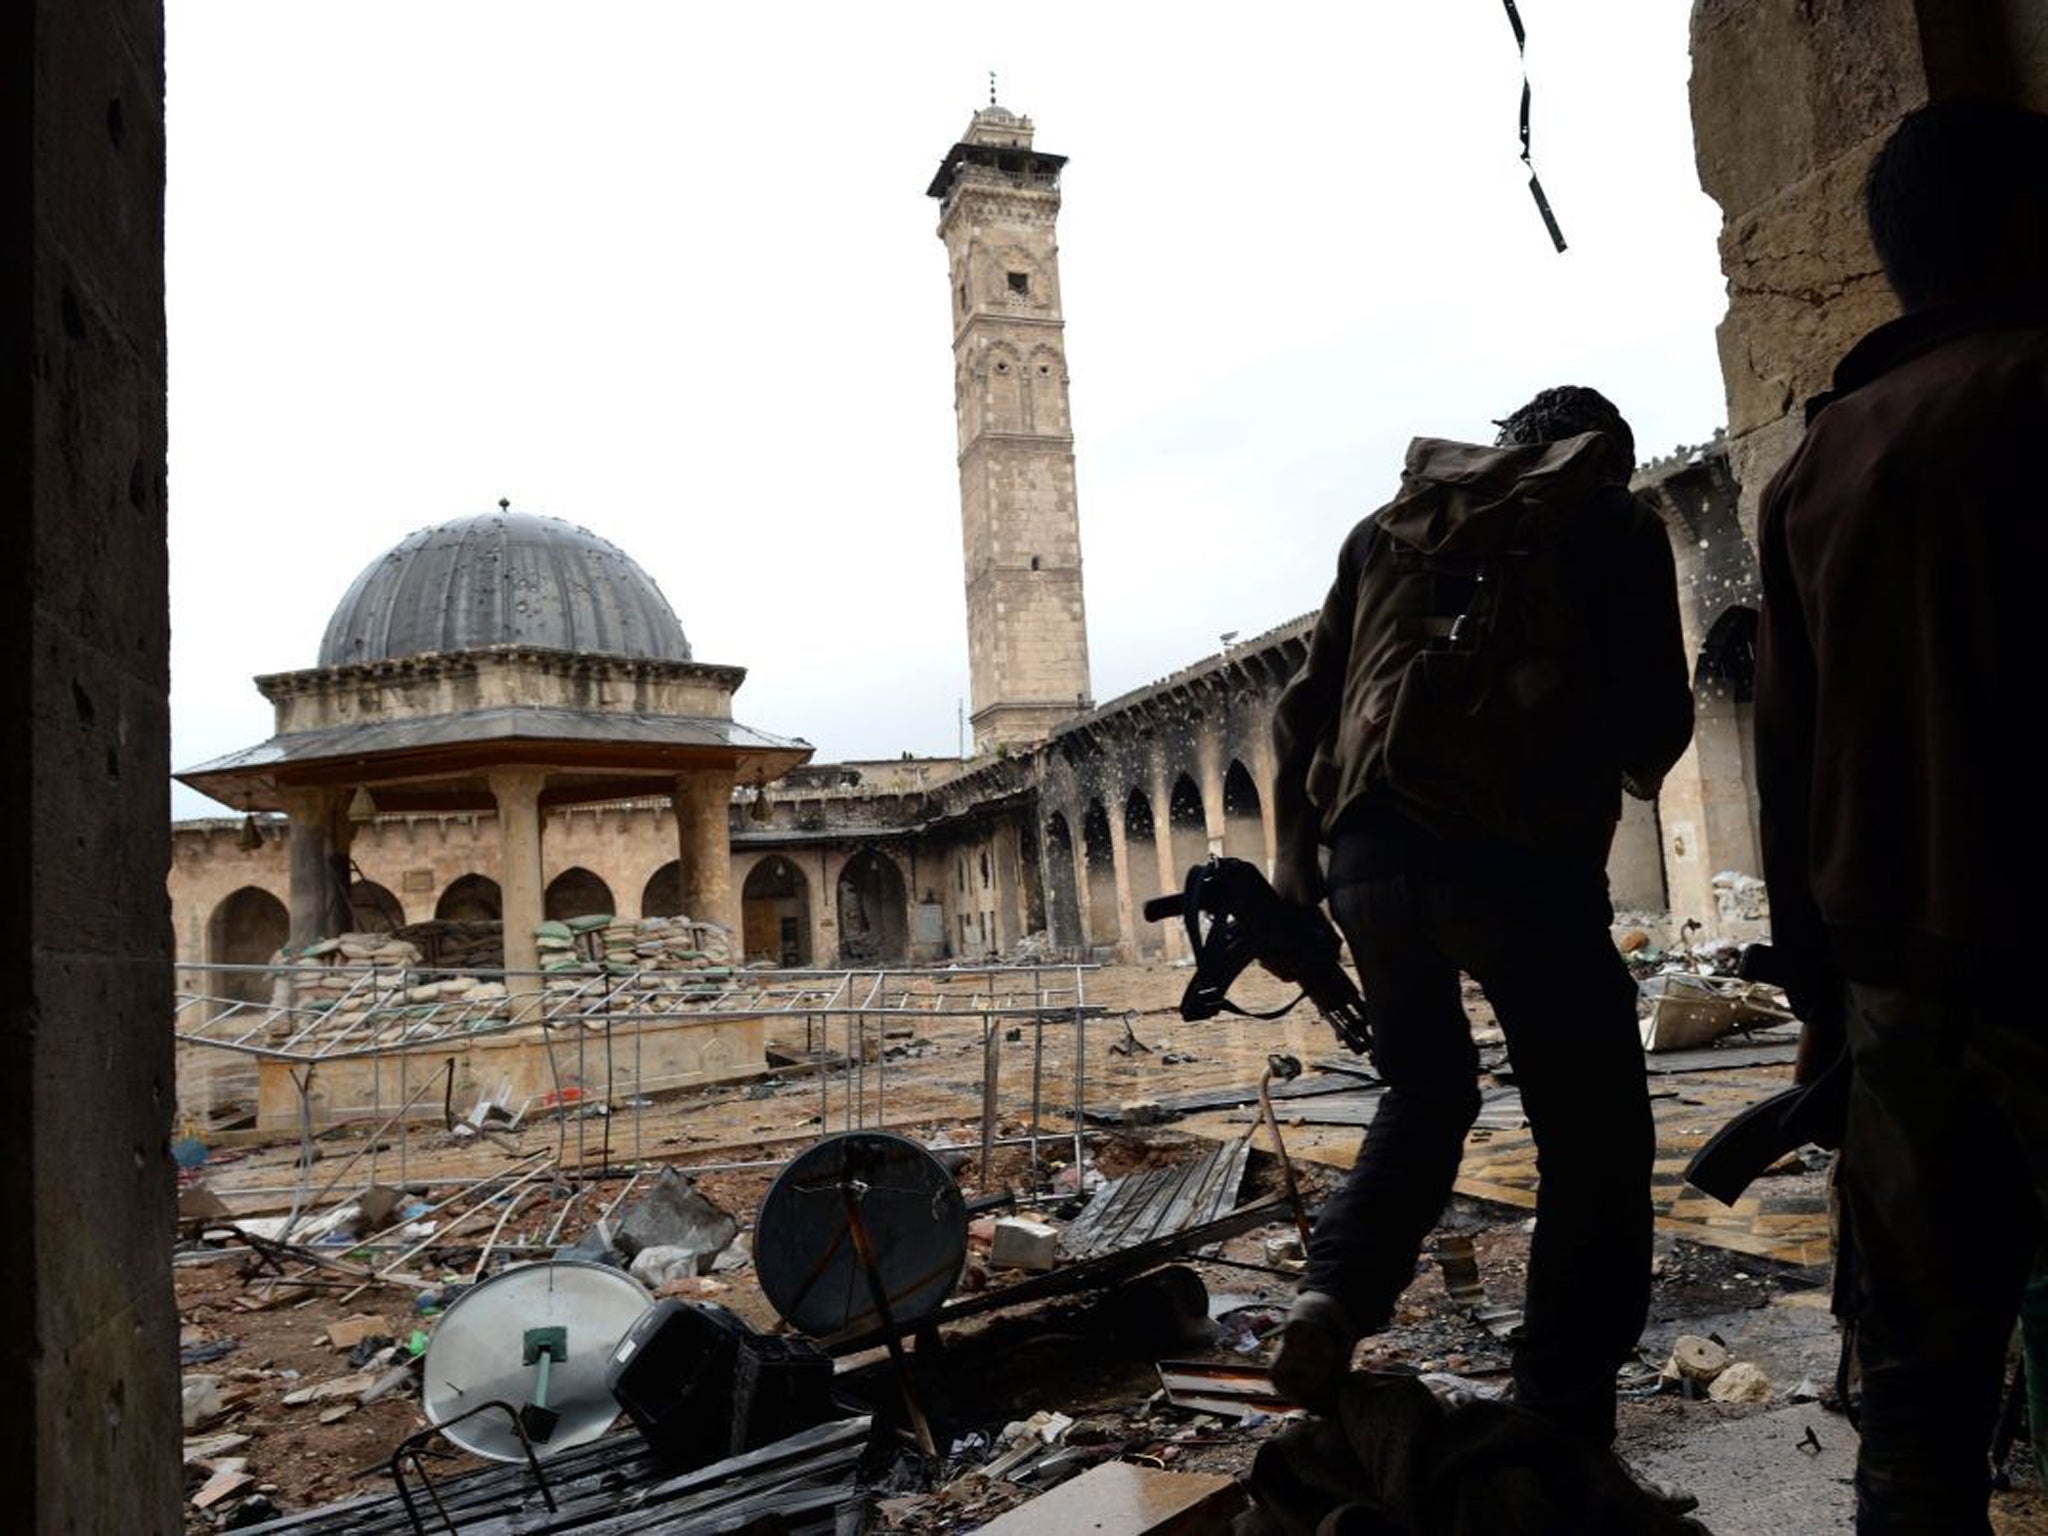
1027 633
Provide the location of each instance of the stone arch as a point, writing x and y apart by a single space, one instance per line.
471 899
576 892
874 912
775 913
248 927
1727 659
1141 861
1187 826
374 908
1099 855
1244 829
662 895
1062 898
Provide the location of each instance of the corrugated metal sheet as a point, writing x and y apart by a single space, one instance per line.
614 1486
1141 1206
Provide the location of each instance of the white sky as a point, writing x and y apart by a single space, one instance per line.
667 270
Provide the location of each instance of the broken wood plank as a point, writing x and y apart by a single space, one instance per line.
222 1485
1207 1386
1232 1097
1120 1499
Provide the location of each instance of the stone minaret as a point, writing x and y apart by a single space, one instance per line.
1027 634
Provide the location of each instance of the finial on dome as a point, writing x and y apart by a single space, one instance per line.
504 503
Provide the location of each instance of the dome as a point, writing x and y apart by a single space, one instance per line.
502 578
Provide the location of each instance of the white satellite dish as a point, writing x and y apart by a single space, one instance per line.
539 1338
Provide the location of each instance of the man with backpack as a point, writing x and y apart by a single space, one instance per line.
1499 657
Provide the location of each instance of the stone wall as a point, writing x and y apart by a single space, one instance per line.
505 677
88 1329
1790 100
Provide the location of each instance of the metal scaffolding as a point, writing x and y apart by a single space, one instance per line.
591 1025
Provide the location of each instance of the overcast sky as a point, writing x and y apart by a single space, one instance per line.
667 270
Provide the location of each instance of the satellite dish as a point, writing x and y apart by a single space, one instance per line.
807 1253
538 1337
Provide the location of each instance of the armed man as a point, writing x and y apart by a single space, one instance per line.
1900 550
1498 659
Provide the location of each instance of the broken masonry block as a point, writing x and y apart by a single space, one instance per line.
351 1331
674 1214
1695 1359
1021 1244
1741 1383
660 1266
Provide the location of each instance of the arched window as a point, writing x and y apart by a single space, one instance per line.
248 927
471 899
577 892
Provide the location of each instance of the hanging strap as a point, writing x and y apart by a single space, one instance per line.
1535 186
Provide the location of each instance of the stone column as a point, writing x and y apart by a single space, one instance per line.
1265 766
1077 838
703 802
1173 937
524 889
1209 763
1120 858
824 894
318 850
1705 812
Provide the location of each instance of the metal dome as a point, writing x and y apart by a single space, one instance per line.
502 578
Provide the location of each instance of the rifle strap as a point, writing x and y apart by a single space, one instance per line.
1281 1012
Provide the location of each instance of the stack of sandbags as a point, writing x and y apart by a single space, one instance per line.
682 961
354 972
457 946
619 943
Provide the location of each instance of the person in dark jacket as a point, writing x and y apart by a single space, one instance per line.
1900 553
1499 656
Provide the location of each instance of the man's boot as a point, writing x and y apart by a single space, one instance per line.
1315 1353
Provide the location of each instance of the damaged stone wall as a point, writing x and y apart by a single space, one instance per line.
1790 100
88 1328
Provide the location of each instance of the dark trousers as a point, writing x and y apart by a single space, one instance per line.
1416 910
1945 1180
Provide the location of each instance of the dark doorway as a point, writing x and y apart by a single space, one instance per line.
874 915
471 899
775 913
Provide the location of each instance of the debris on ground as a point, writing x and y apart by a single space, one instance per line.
1114 1314
675 1215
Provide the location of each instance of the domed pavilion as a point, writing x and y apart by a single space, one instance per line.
508 663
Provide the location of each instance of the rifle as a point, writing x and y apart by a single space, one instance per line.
1246 921
1815 1112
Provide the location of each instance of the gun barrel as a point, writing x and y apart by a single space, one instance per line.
1159 908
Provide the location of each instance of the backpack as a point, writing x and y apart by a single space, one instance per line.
1493 729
